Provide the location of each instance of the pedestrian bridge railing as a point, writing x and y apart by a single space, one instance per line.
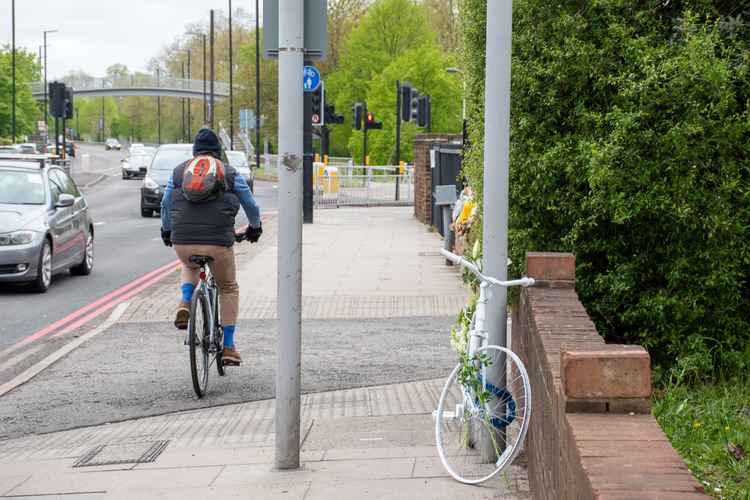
139 85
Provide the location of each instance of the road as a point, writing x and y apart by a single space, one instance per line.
127 246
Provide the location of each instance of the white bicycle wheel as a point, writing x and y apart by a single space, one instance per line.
480 427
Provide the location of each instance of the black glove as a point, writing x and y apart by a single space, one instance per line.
166 237
253 233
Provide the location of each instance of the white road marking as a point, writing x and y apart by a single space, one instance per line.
34 370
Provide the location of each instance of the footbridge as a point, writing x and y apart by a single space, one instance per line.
140 85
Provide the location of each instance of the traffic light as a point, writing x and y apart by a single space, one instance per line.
406 97
68 104
318 103
57 99
371 124
415 98
424 111
358 110
331 116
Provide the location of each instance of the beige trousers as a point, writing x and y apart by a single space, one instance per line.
223 269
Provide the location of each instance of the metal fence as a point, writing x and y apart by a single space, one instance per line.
332 191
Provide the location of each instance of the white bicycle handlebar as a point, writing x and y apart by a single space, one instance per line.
456 259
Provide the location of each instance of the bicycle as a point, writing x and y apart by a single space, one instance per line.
485 406
205 335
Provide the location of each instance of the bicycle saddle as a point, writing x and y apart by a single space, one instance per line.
200 260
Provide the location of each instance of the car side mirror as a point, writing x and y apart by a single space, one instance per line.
65 200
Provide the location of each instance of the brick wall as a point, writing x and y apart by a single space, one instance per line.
422 173
592 434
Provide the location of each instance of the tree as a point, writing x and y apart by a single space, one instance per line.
424 68
385 32
27 111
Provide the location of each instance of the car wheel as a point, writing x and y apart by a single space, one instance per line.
125 175
44 269
146 212
87 264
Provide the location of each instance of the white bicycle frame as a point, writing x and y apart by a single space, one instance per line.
478 335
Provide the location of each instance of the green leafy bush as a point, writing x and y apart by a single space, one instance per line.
630 139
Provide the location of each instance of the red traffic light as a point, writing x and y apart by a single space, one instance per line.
370 117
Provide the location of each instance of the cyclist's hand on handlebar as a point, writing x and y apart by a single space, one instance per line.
166 237
253 233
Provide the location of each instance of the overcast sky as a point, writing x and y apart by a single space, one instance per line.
94 34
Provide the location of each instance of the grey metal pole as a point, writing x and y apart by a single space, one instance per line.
231 89
158 110
211 111
46 115
189 104
13 66
288 360
398 137
496 160
257 85
205 95
182 134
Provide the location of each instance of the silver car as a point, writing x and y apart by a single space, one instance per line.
45 225
238 160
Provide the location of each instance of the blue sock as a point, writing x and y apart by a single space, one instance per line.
228 335
187 291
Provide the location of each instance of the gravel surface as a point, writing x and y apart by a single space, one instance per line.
140 369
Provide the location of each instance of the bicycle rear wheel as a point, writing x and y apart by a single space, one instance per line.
480 427
199 334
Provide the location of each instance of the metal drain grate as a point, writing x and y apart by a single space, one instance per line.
129 453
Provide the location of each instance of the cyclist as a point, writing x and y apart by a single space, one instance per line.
205 226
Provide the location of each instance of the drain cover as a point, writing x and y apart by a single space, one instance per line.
129 453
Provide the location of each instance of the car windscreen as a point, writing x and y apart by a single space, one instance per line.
237 160
168 159
21 188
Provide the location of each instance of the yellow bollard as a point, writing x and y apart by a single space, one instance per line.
317 157
401 167
325 160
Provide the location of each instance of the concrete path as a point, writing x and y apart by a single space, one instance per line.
369 443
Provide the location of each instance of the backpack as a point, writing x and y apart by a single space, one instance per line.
202 179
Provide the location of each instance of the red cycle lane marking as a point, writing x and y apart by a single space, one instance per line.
85 309
113 303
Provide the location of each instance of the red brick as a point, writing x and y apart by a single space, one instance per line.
605 372
551 266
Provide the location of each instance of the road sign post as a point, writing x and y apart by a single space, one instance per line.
290 50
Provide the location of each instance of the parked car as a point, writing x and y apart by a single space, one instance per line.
45 225
112 144
10 149
238 160
167 157
137 163
28 148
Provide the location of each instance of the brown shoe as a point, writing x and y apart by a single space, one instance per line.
231 357
182 316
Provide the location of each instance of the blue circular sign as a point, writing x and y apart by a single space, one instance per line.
311 79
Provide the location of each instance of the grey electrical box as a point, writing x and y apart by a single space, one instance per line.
316 29
445 195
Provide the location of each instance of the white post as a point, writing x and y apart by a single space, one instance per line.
496 160
288 357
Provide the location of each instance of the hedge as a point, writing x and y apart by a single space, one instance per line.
630 138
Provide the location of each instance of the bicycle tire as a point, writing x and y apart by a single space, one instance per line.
198 338
456 428
219 332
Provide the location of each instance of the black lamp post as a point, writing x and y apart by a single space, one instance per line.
205 95
231 90
13 65
46 116
257 85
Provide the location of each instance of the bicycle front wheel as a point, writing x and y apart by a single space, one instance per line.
199 335
480 423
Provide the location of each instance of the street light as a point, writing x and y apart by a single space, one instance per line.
46 117
463 93
203 35
13 65
189 123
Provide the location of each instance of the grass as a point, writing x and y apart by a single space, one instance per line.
706 423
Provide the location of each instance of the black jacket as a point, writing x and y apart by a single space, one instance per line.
207 223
